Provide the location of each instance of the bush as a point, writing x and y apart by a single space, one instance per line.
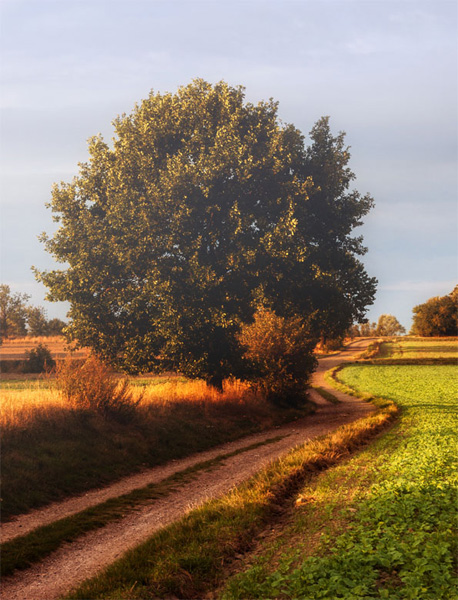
39 360
280 353
91 386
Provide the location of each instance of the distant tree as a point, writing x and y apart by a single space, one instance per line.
205 209
13 312
56 326
365 329
438 316
389 325
37 323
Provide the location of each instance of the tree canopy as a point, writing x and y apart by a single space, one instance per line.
438 316
205 208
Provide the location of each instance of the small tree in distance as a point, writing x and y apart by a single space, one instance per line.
37 323
388 325
280 354
13 312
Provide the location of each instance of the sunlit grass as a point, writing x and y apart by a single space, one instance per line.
52 449
24 401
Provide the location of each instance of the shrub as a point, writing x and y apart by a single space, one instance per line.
334 344
39 360
91 386
280 353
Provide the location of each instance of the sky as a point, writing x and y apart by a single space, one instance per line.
386 72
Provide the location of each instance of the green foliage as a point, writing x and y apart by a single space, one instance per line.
39 360
280 352
13 312
91 386
37 323
55 326
204 206
437 317
394 534
388 325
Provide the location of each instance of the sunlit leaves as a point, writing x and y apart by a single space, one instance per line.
203 204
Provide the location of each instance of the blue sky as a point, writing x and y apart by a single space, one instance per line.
386 73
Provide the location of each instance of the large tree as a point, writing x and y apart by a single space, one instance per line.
205 208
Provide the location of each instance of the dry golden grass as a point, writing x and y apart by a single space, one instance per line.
174 391
39 398
19 408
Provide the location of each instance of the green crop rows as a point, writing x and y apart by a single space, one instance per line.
391 531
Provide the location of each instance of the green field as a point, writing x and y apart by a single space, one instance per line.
383 525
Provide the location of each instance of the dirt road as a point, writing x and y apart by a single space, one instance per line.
74 562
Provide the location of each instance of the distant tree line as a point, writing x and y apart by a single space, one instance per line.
18 318
437 317
387 325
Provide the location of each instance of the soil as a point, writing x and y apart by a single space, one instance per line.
75 562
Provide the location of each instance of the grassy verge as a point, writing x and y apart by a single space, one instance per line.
188 558
23 551
52 452
382 525
325 394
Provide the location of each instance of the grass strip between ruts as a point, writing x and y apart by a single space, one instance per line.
325 394
23 551
188 558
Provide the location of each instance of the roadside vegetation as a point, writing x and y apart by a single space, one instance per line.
54 447
325 522
419 349
190 557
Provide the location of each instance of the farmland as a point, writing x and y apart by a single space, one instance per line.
421 348
16 348
378 524
381 525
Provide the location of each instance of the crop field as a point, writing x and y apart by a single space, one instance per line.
382 525
421 348
16 348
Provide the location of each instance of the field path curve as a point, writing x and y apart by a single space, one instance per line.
75 562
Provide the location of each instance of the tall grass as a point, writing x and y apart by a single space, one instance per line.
28 402
53 449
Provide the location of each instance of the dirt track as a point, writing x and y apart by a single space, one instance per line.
73 563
